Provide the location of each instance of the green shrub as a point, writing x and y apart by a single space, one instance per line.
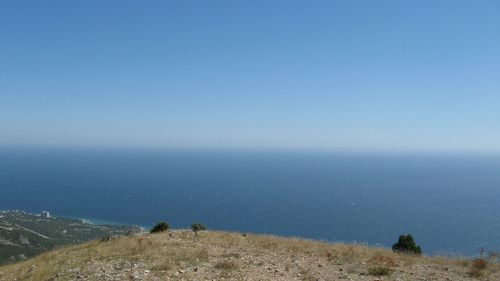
406 244
160 227
195 227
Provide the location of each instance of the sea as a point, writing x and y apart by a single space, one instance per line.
450 203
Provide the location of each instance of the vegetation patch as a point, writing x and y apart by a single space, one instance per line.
160 227
381 265
478 265
225 265
406 244
196 227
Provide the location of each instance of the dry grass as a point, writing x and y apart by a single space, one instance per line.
215 255
162 254
477 267
225 265
382 265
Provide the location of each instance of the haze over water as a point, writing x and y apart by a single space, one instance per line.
448 202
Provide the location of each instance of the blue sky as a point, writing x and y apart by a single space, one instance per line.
322 75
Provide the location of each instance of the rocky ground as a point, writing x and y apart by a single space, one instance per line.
182 255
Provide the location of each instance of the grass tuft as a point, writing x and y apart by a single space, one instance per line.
225 265
381 265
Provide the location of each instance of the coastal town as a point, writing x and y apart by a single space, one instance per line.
23 235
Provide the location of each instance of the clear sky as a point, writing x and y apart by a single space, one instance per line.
346 74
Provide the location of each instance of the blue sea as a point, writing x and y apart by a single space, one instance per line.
450 203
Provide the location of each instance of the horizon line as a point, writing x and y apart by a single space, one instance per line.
249 149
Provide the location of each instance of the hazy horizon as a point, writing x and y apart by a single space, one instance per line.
386 76
246 150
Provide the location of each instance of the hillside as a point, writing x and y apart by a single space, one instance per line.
181 255
24 235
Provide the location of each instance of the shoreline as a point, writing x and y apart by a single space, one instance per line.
145 229
106 222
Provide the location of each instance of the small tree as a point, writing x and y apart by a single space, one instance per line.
406 244
160 227
195 227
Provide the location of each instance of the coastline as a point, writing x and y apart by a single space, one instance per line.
145 229
94 221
